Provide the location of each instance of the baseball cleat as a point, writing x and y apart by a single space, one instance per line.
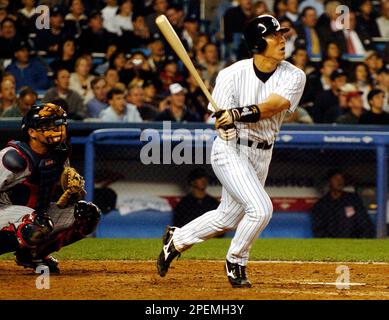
25 259
237 275
168 252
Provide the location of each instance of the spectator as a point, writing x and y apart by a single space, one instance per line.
135 98
66 56
197 50
138 70
340 214
290 36
76 108
159 7
27 98
99 101
174 108
108 14
112 78
195 100
308 36
9 38
279 8
355 40
28 71
157 56
360 77
150 93
326 24
332 51
170 74
376 114
7 95
212 65
102 68
26 17
383 21
354 104
383 84
76 21
196 202
173 13
371 60
122 21
49 40
95 38
317 4
260 8
118 110
327 106
366 19
190 32
235 19
318 81
80 80
292 10
138 38
300 59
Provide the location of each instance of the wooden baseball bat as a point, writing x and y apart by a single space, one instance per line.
175 42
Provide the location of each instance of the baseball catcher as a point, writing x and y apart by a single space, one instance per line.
31 224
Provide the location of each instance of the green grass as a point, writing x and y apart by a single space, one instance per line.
215 249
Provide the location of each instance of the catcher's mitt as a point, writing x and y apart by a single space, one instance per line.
72 184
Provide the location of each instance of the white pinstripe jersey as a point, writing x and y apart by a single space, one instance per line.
238 86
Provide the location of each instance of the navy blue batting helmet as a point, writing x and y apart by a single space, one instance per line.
258 28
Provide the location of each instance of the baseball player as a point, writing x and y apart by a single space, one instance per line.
30 224
254 95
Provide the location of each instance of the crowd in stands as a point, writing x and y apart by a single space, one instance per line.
107 61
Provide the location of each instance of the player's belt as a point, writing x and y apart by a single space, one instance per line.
250 143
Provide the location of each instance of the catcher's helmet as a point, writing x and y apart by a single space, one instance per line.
48 118
258 28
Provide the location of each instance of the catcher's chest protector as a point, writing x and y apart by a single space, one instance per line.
36 190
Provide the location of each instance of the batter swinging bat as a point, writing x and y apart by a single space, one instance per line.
175 42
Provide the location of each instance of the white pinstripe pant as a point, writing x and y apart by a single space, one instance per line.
245 205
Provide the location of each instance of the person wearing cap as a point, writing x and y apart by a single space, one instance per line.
28 71
197 201
27 98
48 40
376 115
340 214
327 105
157 55
354 104
119 110
95 38
383 84
176 110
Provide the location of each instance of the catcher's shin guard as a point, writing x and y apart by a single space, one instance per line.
86 215
8 241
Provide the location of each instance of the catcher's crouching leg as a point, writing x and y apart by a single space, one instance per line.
86 217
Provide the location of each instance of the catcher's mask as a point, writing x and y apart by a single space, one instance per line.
49 120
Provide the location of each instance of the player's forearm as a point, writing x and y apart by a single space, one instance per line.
268 110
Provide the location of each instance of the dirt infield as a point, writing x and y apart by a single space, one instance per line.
198 280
